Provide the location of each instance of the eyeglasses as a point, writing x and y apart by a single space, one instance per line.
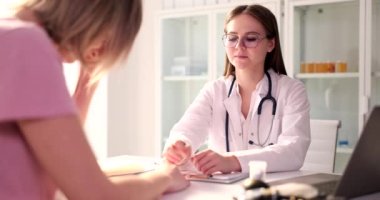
249 41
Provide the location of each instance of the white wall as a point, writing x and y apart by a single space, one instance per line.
6 7
131 91
96 122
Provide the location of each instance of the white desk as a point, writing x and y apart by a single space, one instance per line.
208 191
211 191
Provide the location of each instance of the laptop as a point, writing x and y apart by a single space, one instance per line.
362 174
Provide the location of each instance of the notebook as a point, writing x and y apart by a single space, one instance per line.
192 174
362 174
218 178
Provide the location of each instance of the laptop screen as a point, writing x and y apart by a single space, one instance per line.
362 174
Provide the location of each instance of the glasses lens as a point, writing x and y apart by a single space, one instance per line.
249 41
230 40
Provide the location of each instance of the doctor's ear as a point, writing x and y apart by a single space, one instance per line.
271 45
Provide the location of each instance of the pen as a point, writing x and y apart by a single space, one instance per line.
200 176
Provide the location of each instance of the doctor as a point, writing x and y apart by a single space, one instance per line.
254 112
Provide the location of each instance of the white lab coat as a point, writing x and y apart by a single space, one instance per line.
290 135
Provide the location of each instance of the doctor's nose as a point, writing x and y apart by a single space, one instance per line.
240 44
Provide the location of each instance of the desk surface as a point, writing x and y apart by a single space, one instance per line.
206 191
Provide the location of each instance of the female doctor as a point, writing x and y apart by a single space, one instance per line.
254 112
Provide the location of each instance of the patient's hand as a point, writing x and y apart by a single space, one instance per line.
178 181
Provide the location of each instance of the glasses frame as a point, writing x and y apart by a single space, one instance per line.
259 39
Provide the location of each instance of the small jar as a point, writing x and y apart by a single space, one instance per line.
341 66
310 67
319 67
330 67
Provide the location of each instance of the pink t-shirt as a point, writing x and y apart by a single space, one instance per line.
32 86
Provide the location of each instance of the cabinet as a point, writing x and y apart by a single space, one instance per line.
373 47
328 46
190 53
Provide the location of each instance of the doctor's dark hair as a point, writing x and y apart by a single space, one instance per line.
74 25
273 59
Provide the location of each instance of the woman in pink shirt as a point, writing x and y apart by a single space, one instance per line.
42 143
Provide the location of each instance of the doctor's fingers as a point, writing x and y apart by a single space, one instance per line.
182 146
218 163
179 144
211 170
204 157
202 154
209 167
182 149
175 157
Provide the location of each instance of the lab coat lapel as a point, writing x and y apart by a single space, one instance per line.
235 130
262 91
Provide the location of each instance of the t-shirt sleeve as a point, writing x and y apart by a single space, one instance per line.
32 83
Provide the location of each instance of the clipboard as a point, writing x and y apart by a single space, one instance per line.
218 178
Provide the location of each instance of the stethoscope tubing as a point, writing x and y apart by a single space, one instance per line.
227 117
268 96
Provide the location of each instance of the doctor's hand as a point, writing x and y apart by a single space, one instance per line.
178 153
209 162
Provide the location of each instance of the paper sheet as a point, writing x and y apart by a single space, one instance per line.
126 165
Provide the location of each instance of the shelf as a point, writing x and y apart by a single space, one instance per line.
327 75
186 78
346 150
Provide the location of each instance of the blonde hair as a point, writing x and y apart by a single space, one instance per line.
74 25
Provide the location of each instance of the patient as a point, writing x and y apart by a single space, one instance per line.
42 141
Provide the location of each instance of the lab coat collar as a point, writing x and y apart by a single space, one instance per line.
263 90
232 102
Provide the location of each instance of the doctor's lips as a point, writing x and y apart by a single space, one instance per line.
240 56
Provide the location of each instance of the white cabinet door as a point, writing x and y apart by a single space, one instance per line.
184 65
374 45
325 48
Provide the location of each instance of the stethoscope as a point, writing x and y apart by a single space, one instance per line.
259 109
